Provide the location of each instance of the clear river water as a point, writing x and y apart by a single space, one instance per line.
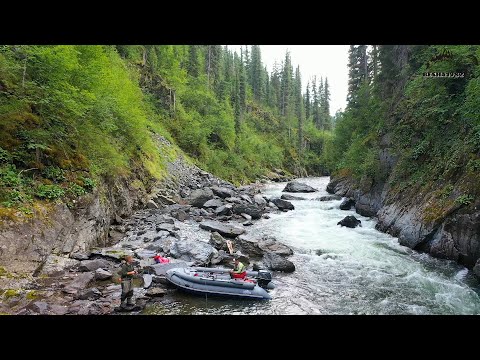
341 270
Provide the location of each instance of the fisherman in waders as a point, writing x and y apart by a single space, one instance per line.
239 270
127 271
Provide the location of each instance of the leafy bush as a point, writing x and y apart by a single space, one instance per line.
50 192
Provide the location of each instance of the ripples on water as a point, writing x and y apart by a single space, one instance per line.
343 271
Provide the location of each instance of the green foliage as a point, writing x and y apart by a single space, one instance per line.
76 190
464 199
5 156
54 173
50 192
88 183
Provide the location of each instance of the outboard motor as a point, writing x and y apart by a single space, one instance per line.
263 278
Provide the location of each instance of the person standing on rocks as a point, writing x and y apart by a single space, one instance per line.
126 277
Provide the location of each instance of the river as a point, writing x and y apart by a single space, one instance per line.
341 270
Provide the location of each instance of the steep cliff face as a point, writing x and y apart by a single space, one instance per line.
450 230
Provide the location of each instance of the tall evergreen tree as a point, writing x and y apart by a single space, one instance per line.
299 106
193 64
327 122
307 101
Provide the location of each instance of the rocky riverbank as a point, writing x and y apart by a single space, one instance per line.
186 220
452 232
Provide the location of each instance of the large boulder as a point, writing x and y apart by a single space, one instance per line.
156 292
223 229
329 198
92 265
283 204
191 250
222 192
249 209
80 282
291 197
218 242
248 246
270 244
350 221
101 274
224 210
295 186
89 294
213 203
277 263
347 204
259 200
200 196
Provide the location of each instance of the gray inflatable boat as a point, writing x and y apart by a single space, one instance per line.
217 282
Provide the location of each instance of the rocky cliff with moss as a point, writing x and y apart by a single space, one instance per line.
407 149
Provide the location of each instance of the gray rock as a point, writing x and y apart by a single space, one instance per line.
259 200
248 246
144 254
246 216
329 198
197 251
218 242
247 223
246 198
347 204
181 215
277 263
39 307
166 227
283 204
219 257
222 192
295 186
204 212
200 196
89 294
253 210
92 265
156 292
151 205
101 274
80 256
266 216
270 244
291 197
223 229
80 282
234 200
58 309
213 203
56 264
224 210
272 205
350 221
165 200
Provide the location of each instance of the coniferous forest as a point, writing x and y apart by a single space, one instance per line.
72 115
